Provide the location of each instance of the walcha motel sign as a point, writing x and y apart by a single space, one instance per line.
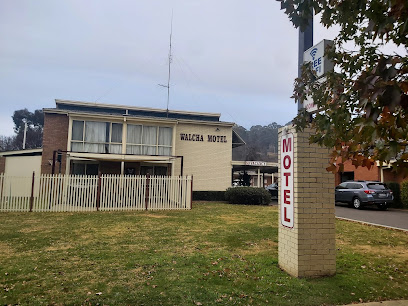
306 234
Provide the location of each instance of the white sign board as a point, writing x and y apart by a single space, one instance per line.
320 64
308 103
315 55
255 163
286 180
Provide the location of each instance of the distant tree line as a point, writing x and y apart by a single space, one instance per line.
35 126
261 143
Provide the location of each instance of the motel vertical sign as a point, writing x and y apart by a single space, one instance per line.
286 180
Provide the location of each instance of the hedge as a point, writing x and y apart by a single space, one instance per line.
396 191
404 194
248 195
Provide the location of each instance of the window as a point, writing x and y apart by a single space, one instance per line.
347 176
84 169
354 186
96 137
342 186
149 140
377 186
106 137
153 170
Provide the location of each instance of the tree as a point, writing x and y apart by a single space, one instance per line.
8 143
363 103
261 143
35 126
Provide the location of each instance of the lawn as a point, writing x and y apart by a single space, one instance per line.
213 254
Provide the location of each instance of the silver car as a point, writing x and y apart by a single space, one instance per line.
360 193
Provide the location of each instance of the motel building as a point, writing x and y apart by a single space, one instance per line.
90 138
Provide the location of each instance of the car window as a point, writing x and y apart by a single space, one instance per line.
341 186
377 186
354 186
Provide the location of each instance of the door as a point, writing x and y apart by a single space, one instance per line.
340 192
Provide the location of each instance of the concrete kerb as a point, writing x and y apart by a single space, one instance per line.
373 224
383 303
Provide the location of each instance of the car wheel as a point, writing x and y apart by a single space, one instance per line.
382 206
357 203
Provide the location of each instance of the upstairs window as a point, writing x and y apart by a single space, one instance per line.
96 137
149 140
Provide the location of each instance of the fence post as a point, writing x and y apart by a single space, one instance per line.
147 191
191 198
2 178
98 192
32 193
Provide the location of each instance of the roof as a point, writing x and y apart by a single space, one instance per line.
69 106
28 152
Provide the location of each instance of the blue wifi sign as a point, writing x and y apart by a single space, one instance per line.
315 55
317 61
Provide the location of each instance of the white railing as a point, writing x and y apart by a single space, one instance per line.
72 193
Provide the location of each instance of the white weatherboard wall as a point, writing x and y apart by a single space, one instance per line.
22 165
208 161
307 249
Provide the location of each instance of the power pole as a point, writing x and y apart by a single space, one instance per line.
25 133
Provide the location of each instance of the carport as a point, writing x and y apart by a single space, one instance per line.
258 170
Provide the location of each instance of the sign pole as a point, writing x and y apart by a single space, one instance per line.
305 42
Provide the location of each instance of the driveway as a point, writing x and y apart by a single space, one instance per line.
391 218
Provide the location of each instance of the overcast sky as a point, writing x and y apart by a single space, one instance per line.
237 58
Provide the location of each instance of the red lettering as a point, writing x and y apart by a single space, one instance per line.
287 158
285 217
287 174
286 196
287 145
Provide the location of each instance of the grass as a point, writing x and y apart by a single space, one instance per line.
214 254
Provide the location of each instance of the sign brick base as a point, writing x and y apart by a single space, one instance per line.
307 249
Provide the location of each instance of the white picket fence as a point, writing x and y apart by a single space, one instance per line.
58 193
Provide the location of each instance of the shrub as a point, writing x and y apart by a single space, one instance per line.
395 188
248 195
404 194
208 195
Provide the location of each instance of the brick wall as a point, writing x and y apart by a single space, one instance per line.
308 249
2 164
360 173
55 137
390 176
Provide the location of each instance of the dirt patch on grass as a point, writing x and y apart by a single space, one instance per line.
35 228
6 250
394 252
259 247
232 219
59 247
156 216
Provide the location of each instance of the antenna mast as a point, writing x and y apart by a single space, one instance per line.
168 80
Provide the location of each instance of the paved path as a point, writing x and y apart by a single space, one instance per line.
391 218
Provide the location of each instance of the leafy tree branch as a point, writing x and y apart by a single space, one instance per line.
363 103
